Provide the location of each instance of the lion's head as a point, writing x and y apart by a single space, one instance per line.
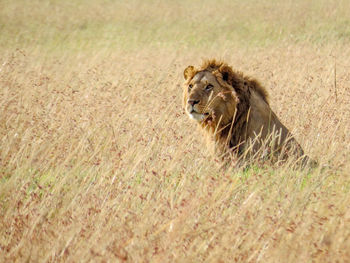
207 98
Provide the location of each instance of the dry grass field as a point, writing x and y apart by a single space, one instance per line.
99 163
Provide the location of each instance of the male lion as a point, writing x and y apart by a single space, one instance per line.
234 111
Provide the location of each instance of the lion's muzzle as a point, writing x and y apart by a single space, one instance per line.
193 111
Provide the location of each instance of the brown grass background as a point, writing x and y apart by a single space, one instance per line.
98 161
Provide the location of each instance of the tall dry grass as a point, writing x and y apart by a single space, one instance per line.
99 162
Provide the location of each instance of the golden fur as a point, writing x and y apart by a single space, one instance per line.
234 111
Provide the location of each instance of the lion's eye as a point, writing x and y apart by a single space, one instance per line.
209 87
190 87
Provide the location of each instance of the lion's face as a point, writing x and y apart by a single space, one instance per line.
206 99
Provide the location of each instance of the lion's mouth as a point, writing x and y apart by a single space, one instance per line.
198 116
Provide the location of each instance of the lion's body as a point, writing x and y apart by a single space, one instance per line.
234 112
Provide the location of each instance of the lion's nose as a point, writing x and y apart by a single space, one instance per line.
193 102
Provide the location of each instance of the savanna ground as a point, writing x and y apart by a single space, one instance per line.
98 161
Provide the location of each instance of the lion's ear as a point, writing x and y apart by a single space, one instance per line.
188 73
226 72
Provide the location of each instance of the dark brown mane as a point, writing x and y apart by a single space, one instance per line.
236 79
243 87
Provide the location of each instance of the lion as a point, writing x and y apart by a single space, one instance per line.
234 111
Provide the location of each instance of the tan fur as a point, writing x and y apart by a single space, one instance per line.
234 111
